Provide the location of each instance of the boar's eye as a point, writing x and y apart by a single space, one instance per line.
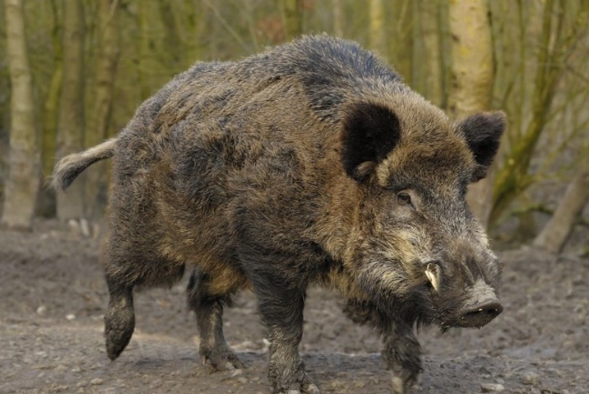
405 199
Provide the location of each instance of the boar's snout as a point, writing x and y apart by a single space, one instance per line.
480 306
480 314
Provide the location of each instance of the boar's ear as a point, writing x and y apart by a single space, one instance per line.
482 133
369 132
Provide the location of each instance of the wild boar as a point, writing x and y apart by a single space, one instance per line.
311 163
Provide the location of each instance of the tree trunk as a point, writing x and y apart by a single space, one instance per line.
445 44
418 54
172 39
339 18
99 118
195 27
46 202
293 21
377 33
50 110
556 43
554 236
150 69
401 49
71 106
432 51
472 80
22 183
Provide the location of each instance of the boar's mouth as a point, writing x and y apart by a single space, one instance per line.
475 317
479 309
480 315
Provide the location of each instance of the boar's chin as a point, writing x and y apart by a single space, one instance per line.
397 297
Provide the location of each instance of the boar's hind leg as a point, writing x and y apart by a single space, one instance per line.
124 271
401 351
281 308
119 320
209 319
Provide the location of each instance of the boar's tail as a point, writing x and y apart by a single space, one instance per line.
68 168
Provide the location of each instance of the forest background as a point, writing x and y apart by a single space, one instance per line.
73 72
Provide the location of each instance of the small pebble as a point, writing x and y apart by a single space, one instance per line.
59 388
242 380
336 384
492 388
530 378
41 310
70 316
96 382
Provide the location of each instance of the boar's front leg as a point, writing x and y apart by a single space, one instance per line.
209 319
402 355
281 307
401 351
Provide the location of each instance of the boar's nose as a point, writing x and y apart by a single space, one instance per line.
480 314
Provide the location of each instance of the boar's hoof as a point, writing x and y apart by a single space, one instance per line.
118 332
307 389
402 386
221 359
311 389
301 384
119 323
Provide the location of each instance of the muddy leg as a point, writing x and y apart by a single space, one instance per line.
402 355
282 312
401 351
119 320
123 274
209 319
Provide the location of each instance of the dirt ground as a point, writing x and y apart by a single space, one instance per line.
53 295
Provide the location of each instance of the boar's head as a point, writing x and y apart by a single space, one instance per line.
418 250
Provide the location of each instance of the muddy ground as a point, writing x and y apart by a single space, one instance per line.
52 300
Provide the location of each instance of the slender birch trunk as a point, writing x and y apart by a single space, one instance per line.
472 80
102 93
376 30
556 232
24 162
46 200
339 18
293 21
70 205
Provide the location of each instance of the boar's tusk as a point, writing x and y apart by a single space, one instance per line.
431 272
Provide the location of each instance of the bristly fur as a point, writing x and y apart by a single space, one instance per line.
309 163
68 168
